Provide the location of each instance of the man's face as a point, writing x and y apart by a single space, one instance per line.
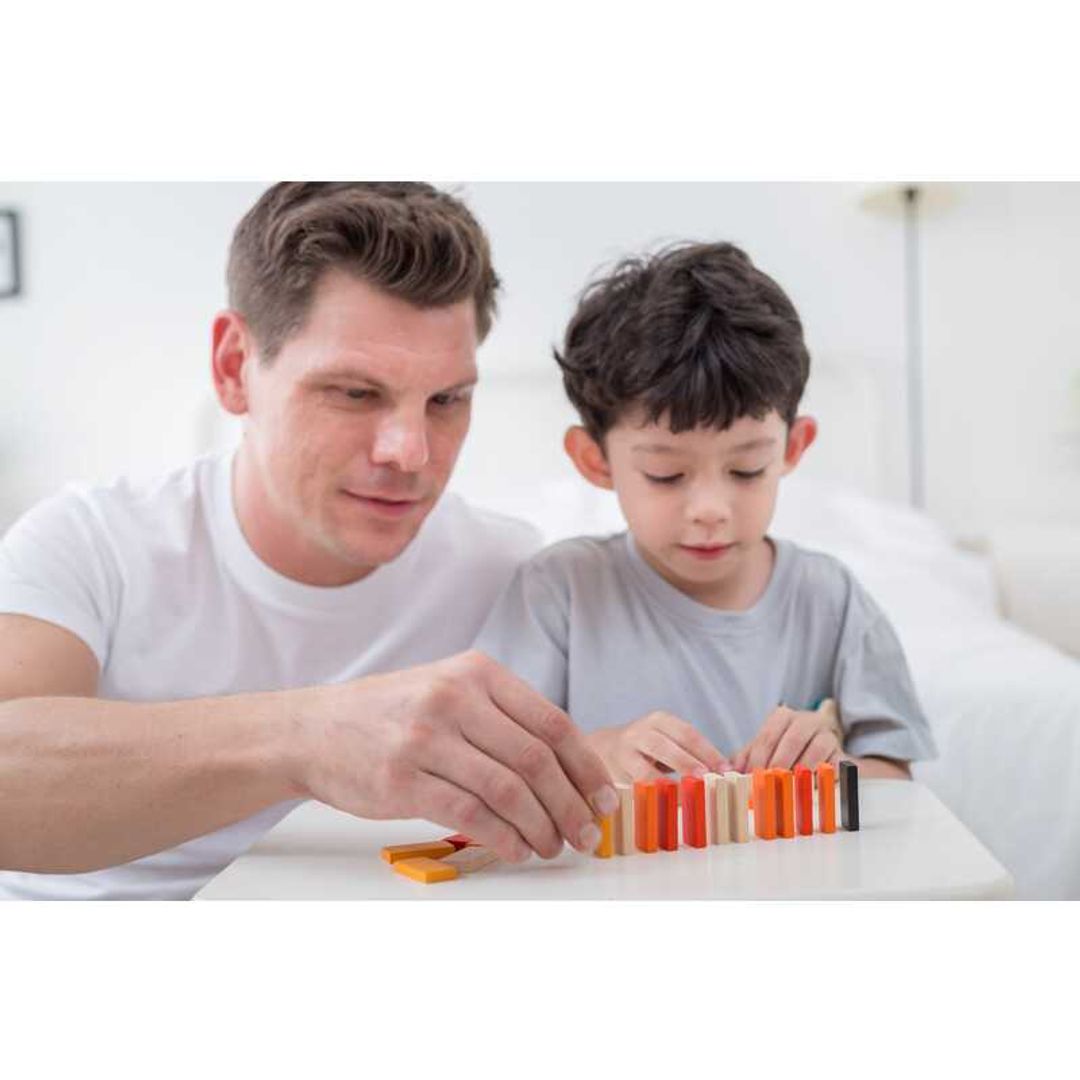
699 503
353 429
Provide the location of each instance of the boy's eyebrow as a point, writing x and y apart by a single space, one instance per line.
750 444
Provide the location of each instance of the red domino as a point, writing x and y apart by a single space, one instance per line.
693 810
804 800
459 840
668 793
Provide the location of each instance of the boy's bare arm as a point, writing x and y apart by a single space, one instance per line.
87 783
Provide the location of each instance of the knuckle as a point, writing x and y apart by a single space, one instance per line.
417 734
554 726
535 760
469 810
504 792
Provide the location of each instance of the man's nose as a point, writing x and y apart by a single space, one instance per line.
401 441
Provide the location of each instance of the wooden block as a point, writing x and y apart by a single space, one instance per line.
459 840
646 816
720 802
826 793
739 805
785 803
426 870
470 859
432 849
606 848
692 791
804 800
624 820
764 804
849 796
667 793
712 783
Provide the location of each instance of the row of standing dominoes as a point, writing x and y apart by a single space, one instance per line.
716 808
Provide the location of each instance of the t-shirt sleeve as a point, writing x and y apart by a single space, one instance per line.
527 631
878 705
56 565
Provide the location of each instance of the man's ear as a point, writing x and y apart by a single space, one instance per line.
588 457
801 434
232 351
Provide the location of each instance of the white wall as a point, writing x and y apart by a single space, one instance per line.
104 360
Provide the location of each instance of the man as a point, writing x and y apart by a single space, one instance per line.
183 661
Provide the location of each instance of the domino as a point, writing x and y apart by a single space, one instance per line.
826 792
738 785
849 796
646 816
717 809
667 792
426 870
624 820
606 848
785 803
764 792
470 859
804 800
692 790
433 849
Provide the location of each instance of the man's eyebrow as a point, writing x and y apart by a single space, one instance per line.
353 375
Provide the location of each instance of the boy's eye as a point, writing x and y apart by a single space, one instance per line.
742 475
663 479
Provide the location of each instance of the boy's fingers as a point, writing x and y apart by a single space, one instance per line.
665 751
692 741
822 747
794 741
766 740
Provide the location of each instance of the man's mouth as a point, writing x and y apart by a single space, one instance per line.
384 505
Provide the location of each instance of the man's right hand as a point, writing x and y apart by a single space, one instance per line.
462 742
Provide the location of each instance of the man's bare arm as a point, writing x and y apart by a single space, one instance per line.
87 783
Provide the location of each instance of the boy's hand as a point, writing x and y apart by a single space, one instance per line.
655 744
792 737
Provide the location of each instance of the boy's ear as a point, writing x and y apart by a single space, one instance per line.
801 434
588 457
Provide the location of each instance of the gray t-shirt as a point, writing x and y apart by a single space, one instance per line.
590 625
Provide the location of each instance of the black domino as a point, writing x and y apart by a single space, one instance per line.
849 796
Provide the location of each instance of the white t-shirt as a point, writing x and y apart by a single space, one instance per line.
161 584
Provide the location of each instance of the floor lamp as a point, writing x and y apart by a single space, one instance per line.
909 202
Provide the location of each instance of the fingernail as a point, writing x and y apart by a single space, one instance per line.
606 801
590 837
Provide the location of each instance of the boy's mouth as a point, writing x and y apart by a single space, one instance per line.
706 551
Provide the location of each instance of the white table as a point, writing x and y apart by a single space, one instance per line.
910 846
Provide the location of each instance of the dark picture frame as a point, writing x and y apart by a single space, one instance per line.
10 270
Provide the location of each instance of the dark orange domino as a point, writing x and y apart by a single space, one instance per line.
646 815
826 793
785 803
668 806
693 811
804 800
764 805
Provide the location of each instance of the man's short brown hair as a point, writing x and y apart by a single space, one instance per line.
694 334
409 239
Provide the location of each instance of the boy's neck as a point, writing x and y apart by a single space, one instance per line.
738 591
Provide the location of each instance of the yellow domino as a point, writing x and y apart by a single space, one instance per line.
426 870
432 849
606 848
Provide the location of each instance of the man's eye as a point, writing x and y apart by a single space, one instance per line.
739 475
663 479
357 394
443 400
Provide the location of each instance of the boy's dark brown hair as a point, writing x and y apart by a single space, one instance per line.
694 334
408 239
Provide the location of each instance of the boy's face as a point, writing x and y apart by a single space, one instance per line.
698 503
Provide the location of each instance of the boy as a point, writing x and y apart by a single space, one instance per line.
672 643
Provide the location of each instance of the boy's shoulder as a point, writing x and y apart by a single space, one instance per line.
822 579
575 557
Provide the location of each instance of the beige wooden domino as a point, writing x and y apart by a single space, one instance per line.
723 799
712 782
624 820
738 786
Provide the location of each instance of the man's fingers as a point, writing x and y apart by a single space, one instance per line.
443 802
552 726
494 733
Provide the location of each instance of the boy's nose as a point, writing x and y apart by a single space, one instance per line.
401 442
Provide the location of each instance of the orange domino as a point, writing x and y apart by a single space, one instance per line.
826 793
646 815
606 848
693 811
785 802
426 870
764 805
804 800
433 849
667 794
